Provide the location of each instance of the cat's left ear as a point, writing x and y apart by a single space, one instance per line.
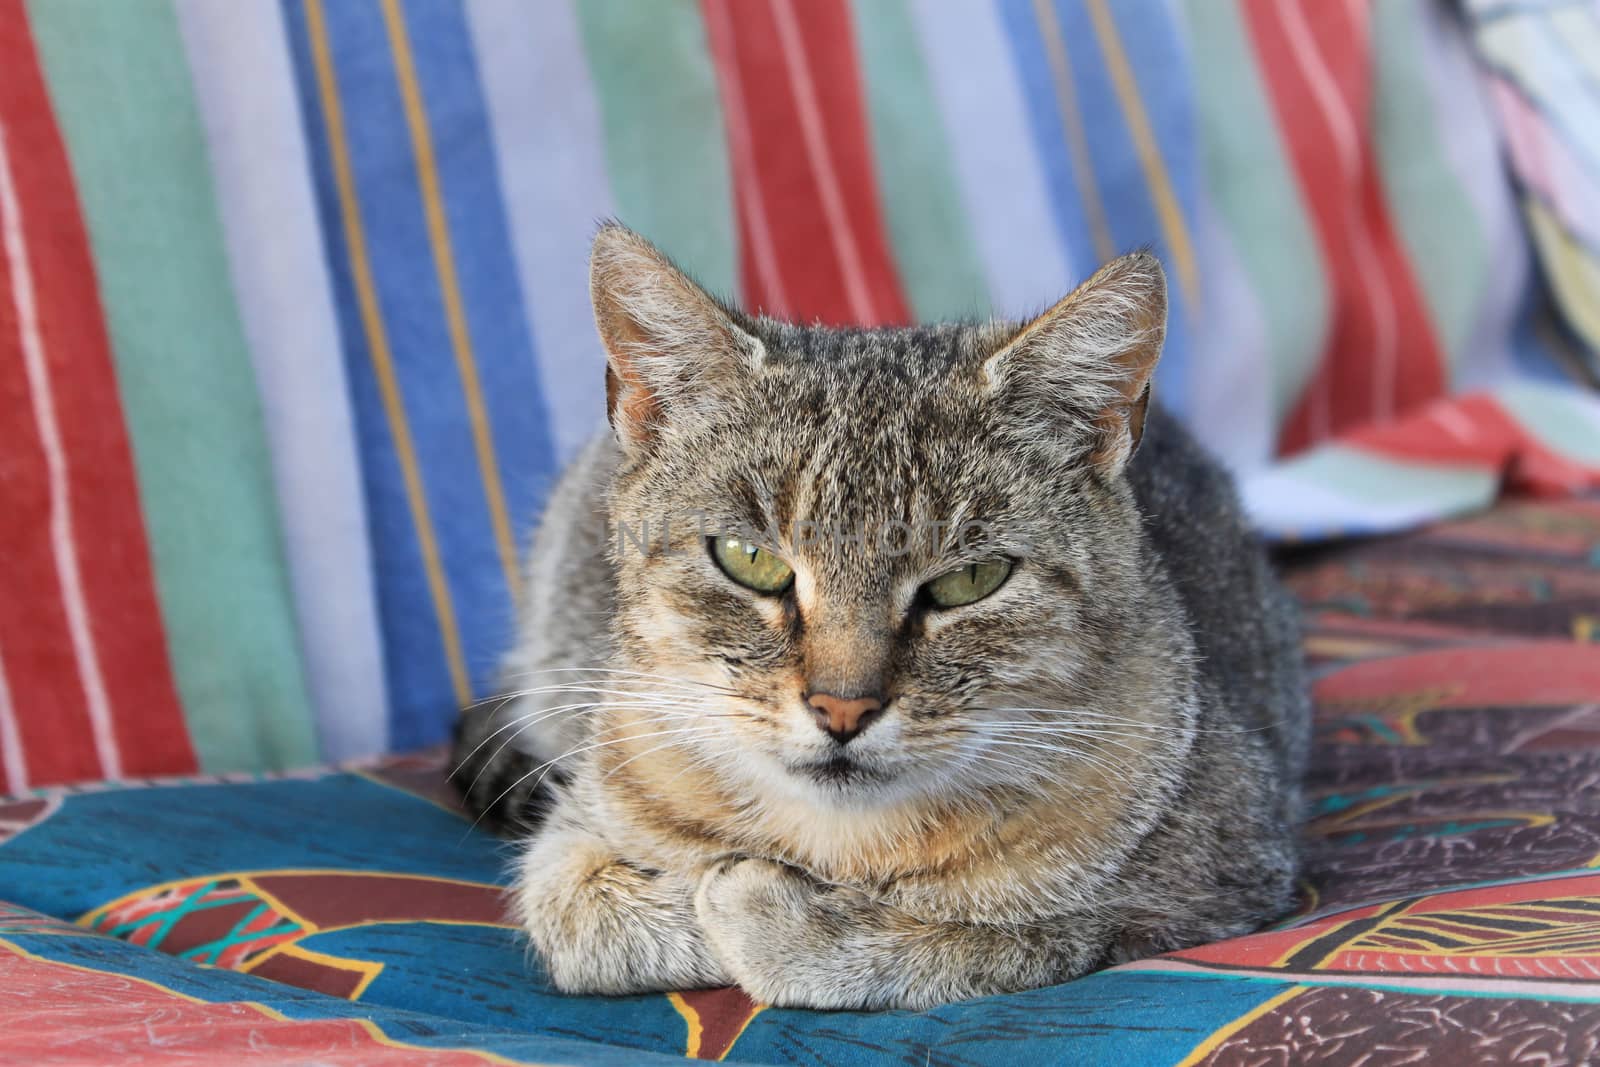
672 351
1090 358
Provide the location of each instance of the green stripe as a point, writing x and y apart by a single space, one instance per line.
1563 421
1442 233
1447 488
933 244
1249 179
662 119
122 96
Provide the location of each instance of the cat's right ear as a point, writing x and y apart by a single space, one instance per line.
1085 365
670 346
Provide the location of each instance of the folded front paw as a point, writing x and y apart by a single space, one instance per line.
738 891
604 925
777 932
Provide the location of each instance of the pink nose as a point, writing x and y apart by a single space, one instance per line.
843 718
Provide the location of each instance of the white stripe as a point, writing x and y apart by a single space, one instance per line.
239 60
996 163
549 144
1454 423
1468 136
11 760
62 541
1341 124
1230 349
821 162
762 246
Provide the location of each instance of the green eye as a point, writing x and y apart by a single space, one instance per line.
751 566
968 584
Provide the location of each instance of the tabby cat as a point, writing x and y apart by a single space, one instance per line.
880 668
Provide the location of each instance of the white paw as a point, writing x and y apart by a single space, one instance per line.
774 930
733 890
746 909
602 925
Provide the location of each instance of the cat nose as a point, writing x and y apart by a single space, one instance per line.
843 718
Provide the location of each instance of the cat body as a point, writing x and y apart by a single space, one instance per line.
857 790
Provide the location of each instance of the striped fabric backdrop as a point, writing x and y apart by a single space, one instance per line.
294 333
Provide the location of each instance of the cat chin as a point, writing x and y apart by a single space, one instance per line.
819 778
840 772
857 786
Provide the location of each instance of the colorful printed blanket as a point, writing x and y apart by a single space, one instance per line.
1451 907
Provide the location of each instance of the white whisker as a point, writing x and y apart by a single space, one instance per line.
549 765
1110 737
653 748
1105 762
675 680
574 687
532 717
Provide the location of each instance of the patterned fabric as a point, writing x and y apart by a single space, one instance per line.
1541 64
1451 910
294 333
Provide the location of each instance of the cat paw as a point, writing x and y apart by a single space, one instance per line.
604 925
739 890
774 930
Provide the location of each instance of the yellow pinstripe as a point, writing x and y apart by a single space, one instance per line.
382 358
1055 48
444 263
1156 176
1221 1037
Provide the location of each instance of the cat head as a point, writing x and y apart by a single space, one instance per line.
890 561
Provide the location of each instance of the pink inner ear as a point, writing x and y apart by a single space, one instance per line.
1141 408
629 400
1110 423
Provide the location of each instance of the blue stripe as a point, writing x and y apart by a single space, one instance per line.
411 303
1155 51
414 659
497 317
1044 119
1160 60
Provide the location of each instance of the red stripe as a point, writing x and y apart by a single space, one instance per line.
35 647
777 63
1382 357
1474 430
113 552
